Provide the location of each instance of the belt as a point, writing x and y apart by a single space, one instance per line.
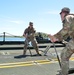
68 39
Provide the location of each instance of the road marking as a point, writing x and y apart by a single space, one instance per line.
5 53
16 63
29 63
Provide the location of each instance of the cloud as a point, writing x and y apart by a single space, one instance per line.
11 20
54 12
16 21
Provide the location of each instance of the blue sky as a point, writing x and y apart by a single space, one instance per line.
15 15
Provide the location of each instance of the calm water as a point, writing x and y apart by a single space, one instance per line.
12 39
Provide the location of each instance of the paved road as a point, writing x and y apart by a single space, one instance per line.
30 65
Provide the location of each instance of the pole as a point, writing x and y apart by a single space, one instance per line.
57 55
4 37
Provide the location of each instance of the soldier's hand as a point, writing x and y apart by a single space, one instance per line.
25 35
52 38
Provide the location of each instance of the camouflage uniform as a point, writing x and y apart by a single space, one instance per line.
67 30
30 37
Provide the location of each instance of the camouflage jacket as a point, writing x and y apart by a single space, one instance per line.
68 28
29 32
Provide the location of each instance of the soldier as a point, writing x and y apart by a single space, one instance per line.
66 31
29 35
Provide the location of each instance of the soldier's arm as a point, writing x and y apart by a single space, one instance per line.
25 33
63 33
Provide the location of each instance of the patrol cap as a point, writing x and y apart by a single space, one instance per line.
31 23
65 9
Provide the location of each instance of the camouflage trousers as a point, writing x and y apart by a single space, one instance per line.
33 42
65 56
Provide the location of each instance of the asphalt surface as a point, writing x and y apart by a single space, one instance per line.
30 65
